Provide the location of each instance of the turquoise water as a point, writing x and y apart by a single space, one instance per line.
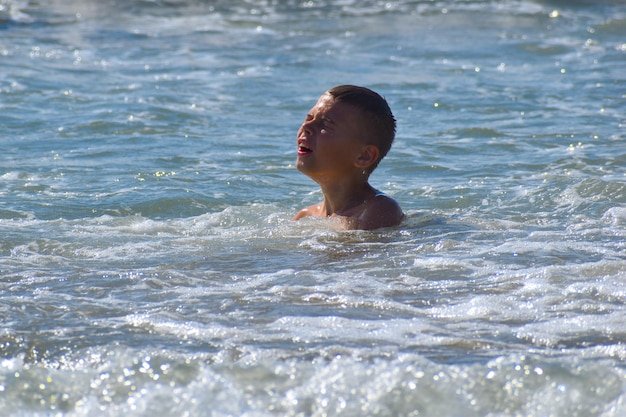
148 263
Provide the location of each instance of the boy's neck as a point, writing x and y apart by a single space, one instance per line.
341 199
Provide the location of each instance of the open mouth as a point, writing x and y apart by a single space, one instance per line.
303 150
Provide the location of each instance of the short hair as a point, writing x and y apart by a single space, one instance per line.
378 120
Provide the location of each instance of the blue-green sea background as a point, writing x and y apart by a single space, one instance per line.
148 263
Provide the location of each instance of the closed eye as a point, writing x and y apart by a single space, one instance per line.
327 124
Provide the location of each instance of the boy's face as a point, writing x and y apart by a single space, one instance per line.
329 140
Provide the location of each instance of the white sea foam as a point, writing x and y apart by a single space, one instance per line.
149 264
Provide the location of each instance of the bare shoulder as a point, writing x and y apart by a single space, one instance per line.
380 211
314 210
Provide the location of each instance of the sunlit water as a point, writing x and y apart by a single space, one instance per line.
148 263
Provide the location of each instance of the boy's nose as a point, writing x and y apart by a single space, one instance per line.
306 129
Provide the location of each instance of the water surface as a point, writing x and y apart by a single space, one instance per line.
148 263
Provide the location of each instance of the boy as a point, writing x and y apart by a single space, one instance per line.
342 140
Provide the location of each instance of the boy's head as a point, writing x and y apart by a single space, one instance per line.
379 125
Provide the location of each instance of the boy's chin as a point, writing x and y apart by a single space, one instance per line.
304 169
301 165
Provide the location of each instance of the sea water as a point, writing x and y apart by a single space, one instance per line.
149 265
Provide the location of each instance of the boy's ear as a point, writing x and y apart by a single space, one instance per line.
368 156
